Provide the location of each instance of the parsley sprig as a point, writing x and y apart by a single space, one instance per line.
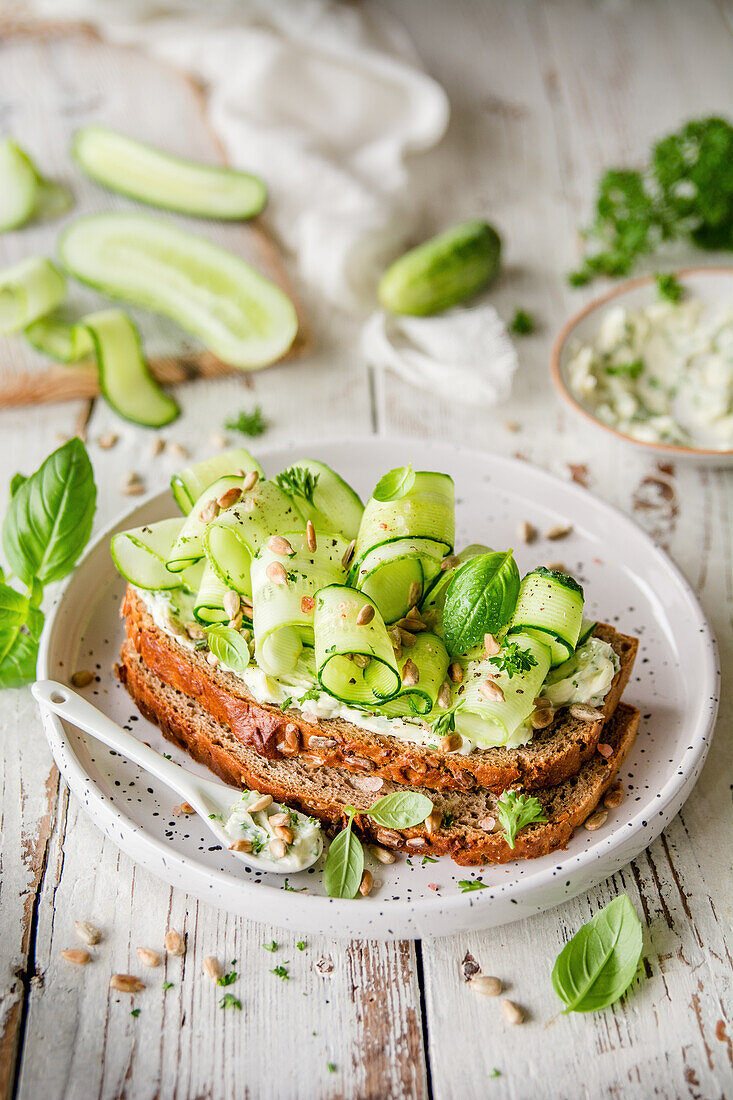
686 191
468 885
515 810
248 423
512 659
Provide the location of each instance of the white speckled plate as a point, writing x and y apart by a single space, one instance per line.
628 581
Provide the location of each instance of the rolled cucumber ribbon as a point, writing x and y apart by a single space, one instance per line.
491 721
232 539
402 541
28 290
355 661
422 682
284 589
140 555
550 607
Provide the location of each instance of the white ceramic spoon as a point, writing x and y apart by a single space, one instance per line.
205 796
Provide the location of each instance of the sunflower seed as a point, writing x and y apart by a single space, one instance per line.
526 532
585 713
348 554
280 546
107 440
213 968
367 881
614 796
491 691
381 854
410 674
558 531
365 615
596 820
230 497
486 986
78 955
241 845
456 672
87 932
126 983
260 803
491 646
310 536
512 1013
250 481
82 678
277 573
148 957
174 943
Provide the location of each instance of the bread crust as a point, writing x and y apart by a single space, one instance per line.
210 742
552 755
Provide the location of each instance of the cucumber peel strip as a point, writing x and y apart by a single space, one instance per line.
28 290
244 318
152 176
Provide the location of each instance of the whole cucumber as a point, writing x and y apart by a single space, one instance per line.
443 271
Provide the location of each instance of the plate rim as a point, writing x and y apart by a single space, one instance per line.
445 907
556 370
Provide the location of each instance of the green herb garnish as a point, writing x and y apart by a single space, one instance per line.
281 972
230 1001
297 481
46 527
271 946
344 862
395 484
599 963
468 885
517 810
686 191
480 599
444 724
511 659
669 288
401 809
626 370
301 945
248 423
135 1012
427 859
227 979
523 323
330 1067
167 986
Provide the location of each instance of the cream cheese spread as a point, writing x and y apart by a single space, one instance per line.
662 374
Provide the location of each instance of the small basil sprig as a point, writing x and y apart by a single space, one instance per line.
395 484
344 862
47 525
599 963
401 809
229 646
480 600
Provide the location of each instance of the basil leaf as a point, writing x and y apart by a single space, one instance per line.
395 484
344 864
49 519
15 483
20 629
480 600
401 809
229 646
598 964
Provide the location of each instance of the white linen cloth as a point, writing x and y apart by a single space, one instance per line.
325 101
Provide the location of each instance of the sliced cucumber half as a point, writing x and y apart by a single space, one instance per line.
59 339
213 294
125 379
140 555
160 179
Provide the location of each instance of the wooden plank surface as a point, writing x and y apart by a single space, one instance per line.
543 97
78 79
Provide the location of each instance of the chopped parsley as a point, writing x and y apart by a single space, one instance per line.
286 886
445 723
523 323
135 1012
517 810
330 1067
311 693
685 192
669 288
468 885
271 946
167 986
296 481
301 945
447 820
626 370
248 423
495 1073
511 659
167 756
281 972
427 859
227 979
230 1001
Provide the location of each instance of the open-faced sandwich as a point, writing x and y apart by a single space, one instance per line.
347 661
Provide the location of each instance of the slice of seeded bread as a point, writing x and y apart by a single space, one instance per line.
468 830
552 755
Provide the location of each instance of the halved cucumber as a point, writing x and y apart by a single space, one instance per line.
332 506
125 378
160 179
550 608
238 313
188 485
18 186
24 193
188 547
140 556
28 290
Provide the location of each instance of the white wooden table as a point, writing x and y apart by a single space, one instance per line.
543 97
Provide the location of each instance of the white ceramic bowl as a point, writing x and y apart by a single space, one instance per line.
712 285
629 582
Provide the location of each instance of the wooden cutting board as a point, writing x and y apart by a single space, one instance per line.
54 80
